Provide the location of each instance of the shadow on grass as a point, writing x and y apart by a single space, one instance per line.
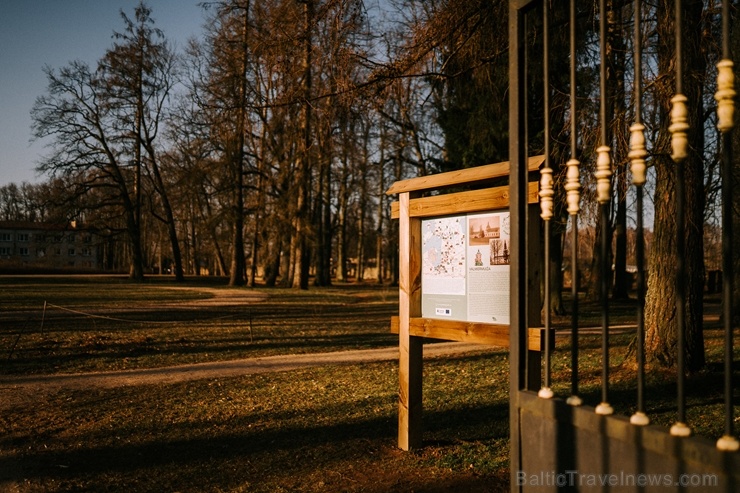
229 453
99 355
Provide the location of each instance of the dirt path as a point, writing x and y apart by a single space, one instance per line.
218 297
15 390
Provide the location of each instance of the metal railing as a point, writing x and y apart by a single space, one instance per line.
679 128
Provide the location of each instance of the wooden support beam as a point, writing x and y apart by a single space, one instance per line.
474 332
488 199
410 347
469 175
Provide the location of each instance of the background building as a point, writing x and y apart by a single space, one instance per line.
48 247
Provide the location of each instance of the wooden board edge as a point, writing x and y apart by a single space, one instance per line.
473 332
466 202
457 177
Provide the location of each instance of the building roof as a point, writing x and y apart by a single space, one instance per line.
30 225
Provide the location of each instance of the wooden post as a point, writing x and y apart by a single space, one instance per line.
410 347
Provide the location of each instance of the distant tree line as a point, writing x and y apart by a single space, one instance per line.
265 147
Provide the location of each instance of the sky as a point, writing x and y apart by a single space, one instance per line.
37 33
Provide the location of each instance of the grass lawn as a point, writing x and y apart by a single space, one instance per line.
321 429
79 324
326 429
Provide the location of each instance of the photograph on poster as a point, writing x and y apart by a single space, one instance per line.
490 233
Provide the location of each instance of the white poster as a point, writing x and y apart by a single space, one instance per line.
488 273
465 268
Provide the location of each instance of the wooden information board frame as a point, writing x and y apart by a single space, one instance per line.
411 327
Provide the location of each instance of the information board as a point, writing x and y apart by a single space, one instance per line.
465 267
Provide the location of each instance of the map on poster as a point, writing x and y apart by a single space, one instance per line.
465 267
443 255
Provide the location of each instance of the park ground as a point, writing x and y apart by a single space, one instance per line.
111 386
107 385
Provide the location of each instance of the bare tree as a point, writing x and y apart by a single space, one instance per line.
90 149
139 72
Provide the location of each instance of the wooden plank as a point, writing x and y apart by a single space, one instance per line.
475 332
410 347
488 199
450 178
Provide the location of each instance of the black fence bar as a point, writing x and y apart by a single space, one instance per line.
604 407
574 399
725 109
603 190
680 428
637 157
728 441
546 194
573 197
678 128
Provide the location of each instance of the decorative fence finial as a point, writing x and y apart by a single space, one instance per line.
728 443
680 429
637 154
603 175
546 193
725 96
679 127
573 187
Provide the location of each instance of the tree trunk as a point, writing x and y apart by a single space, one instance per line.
342 199
660 302
361 260
174 243
341 274
237 272
621 279
194 251
593 288
169 217
273 262
326 254
257 229
380 212
300 244
205 210
136 270
660 299
287 263
322 221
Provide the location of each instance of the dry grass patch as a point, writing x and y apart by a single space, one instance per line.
326 429
104 323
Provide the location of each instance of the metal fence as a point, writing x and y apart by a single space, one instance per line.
520 61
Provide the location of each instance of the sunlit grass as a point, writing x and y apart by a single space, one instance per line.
321 429
324 429
102 323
